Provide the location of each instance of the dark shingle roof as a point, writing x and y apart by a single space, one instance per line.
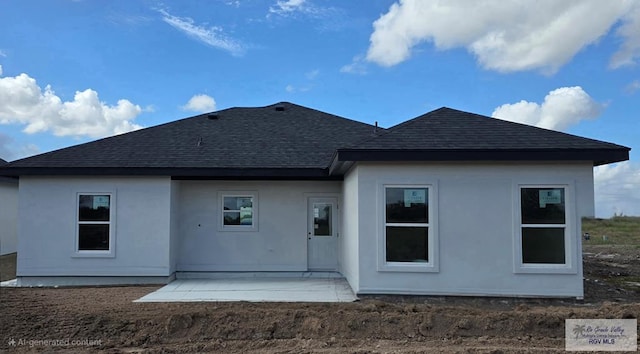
449 134
290 141
280 136
7 179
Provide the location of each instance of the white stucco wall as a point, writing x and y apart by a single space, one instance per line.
47 231
351 218
8 215
175 226
280 242
475 228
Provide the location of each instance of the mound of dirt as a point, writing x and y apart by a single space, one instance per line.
105 319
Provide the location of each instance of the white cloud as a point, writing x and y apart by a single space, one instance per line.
3 54
213 36
617 189
293 89
0 70
288 6
10 151
200 103
357 66
629 31
128 20
630 89
311 75
22 101
327 18
561 108
504 35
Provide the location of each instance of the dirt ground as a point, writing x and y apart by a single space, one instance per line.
105 319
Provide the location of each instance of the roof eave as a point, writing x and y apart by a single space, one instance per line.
175 173
596 156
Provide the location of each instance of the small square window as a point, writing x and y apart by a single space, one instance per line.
238 212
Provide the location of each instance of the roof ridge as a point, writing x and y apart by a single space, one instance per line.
386 131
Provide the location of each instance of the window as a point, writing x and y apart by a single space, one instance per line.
94 233
408 231
544 229
239 212
543 224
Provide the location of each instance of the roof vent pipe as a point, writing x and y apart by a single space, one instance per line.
375 129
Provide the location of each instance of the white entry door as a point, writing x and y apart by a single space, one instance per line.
322 234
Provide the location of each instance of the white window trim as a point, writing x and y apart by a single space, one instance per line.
570 227
112 228
432 234
238 228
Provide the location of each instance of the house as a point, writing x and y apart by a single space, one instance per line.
448 203
8 213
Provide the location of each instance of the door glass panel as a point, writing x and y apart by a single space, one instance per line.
322 223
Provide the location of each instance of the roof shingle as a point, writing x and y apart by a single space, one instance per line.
288 140
291 136
447 133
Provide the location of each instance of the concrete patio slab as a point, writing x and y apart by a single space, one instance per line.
254 289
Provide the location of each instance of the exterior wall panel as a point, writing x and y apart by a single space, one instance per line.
278 244
350 237
475 209
8 216
48 218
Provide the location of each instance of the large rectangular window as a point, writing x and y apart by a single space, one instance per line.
239 211
94 222
407 224
543 224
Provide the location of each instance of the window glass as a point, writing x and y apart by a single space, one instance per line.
93 237
543 245
94 207
232 218
238 210
407 244
542 205
407 205
322 219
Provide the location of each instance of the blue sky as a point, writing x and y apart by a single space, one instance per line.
74 71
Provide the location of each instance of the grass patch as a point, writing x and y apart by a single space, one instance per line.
619 230
626 282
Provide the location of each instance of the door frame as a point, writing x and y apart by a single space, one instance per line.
334 199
